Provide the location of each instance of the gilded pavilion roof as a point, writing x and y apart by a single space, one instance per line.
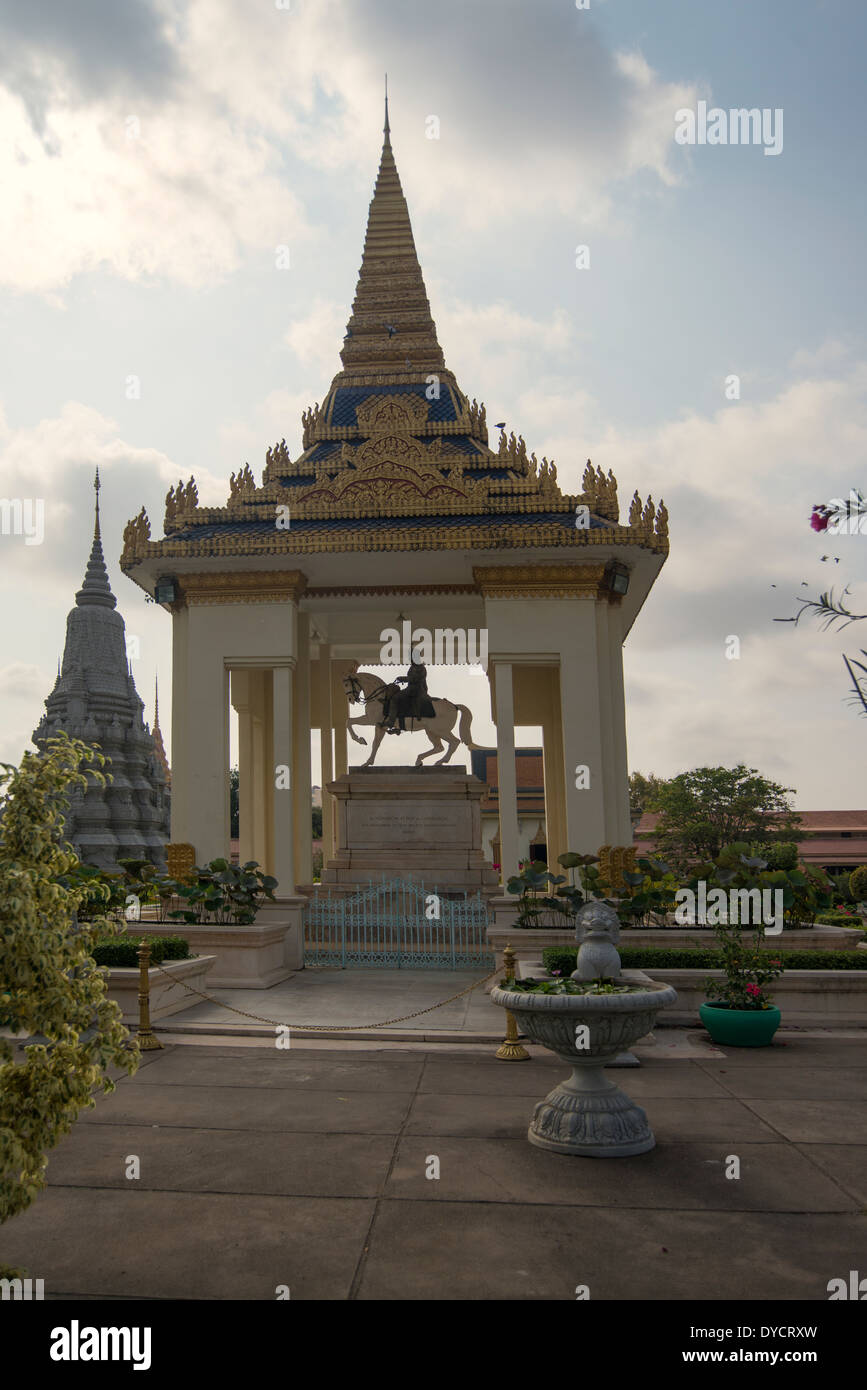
395 457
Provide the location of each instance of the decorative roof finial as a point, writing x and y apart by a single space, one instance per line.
386 129
96 535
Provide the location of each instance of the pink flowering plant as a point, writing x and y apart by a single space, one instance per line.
748 968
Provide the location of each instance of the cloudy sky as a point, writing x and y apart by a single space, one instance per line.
155 153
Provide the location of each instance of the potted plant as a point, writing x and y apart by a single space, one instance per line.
738 1011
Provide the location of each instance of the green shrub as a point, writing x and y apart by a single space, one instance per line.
123 953
838 917
858 883
781 855
50 986
674 958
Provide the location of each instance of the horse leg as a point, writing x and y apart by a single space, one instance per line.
377 740
453 744
359 719
436 747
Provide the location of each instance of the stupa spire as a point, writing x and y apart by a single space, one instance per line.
391 332
157 736
96 588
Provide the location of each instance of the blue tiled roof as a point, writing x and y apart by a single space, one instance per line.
348 398
324 449
310 525
486 472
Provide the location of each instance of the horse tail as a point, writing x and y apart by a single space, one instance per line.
465 727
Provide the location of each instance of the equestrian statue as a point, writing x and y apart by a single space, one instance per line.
387 708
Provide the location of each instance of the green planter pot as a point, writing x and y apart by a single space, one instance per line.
740 1027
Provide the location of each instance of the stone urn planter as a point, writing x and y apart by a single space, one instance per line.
587 1114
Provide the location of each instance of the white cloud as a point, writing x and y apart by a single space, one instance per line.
21 681
316 339
182 176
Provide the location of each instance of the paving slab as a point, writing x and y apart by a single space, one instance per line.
773 1177
811 1121
284 1068
465 1250
795 1051
480 1116
459 1076
307 1168
139 1244
178 1159
846 1163
254 1109
828 1083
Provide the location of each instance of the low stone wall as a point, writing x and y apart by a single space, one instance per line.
254 957
806 998
167 996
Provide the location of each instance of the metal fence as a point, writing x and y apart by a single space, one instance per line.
397 925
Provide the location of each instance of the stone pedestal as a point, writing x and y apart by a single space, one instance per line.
422 824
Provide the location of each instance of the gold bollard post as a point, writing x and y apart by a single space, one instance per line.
510 1050
146 1038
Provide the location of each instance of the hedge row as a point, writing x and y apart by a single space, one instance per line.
123 952
665 958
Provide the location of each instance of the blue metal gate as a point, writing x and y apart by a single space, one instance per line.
397 925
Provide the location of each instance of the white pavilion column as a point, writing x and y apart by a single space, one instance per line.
181 829
283 862
506 774
551 721
302 779
582 733
326 722
339 715
261 763
240 691
204 819
606 722
618 721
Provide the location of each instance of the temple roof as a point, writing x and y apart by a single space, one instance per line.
396 456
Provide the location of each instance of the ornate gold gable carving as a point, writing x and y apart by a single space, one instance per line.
389 475
405 413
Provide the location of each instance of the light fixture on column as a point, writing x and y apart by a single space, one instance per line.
618 578
165 589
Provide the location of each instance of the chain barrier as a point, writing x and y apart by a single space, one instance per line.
321 1027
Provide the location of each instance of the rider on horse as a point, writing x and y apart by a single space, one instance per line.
412 703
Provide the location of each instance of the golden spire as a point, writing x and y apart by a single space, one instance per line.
391 331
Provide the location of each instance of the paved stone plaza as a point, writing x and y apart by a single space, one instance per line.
306 1167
